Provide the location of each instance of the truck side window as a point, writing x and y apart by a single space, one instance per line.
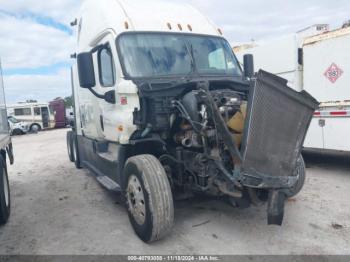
106 67
37 111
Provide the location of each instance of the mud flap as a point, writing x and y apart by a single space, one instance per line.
275 208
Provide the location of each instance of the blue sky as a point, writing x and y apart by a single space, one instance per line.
36 39
40 19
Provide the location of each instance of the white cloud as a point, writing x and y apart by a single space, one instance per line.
26 44
38 87
60 10
256 19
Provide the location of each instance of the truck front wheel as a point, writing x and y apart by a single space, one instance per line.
5 201
148 198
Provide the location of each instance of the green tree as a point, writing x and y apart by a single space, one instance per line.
68 101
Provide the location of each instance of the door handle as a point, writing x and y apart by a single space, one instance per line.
101 123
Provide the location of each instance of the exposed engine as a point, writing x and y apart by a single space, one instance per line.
231 107
199 131
201 147
201 125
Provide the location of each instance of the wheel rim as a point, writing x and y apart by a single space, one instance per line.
6 188
136 200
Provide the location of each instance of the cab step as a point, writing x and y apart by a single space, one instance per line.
108 183
108 156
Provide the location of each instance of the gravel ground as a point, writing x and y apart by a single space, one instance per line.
57 209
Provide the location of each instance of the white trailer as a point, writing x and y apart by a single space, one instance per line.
318 61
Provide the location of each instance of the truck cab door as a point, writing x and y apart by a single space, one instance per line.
108 77
105 75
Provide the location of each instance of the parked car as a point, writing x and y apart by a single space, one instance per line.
17 127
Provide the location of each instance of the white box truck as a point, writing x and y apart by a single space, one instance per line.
316 60
163 109
6 153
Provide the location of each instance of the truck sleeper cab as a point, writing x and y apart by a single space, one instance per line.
163 107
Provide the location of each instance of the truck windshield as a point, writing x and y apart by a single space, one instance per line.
163 54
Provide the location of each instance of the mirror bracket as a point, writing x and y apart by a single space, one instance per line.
109 96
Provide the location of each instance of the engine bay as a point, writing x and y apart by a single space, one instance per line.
227 138
190 122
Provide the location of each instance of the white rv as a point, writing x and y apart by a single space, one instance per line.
160 106
318 61
38 116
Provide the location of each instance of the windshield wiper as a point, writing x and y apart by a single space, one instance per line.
193 64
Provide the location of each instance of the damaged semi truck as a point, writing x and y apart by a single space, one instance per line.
163 108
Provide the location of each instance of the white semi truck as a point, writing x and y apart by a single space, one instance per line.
6 155
163 109
316 60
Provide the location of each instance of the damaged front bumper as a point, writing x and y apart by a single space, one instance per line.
262 181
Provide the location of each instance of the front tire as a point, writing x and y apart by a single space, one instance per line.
300 171
5 200
148 198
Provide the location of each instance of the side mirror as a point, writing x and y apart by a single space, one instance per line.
86 70
248 64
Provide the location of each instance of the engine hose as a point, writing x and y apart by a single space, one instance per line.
171 158
147 130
